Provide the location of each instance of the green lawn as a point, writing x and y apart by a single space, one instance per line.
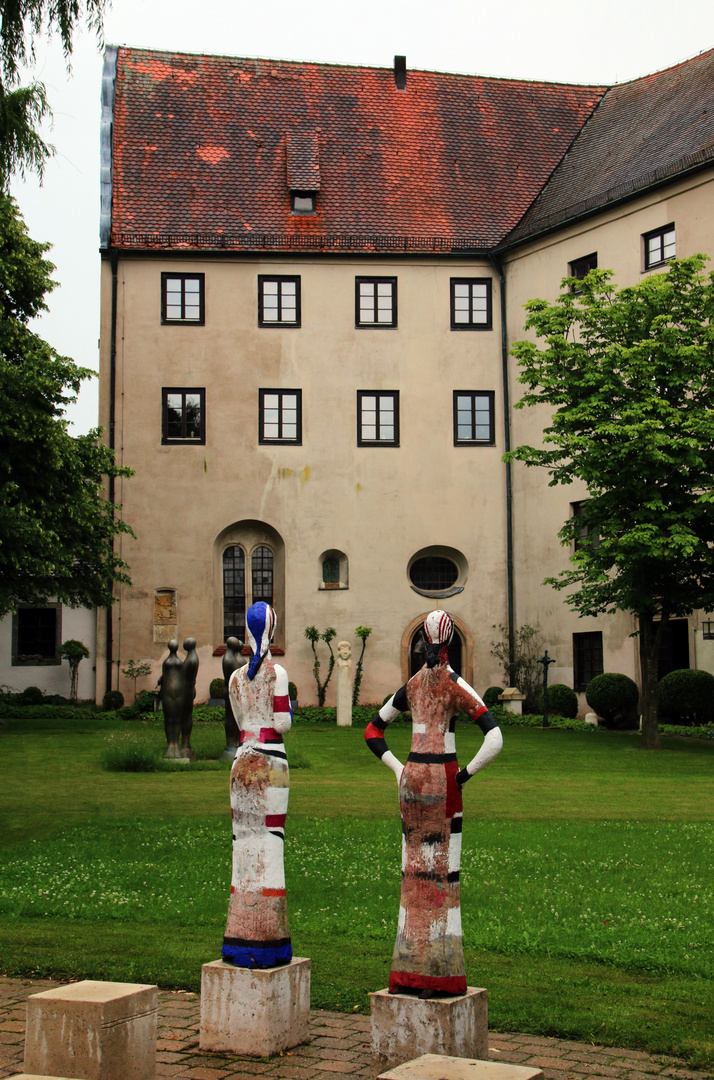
587 872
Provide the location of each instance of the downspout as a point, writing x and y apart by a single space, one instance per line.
109 74
498 266
114 258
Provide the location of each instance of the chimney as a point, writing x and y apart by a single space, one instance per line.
400 72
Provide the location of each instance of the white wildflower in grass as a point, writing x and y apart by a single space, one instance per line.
634 895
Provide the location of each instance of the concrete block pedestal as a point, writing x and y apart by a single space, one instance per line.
93 1031
436 1067
255 1012
405 1027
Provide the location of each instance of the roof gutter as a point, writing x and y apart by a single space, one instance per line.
498 267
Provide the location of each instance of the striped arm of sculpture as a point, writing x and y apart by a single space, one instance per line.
374 734
282 713
473 705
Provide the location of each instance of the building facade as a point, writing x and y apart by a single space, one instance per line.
311 277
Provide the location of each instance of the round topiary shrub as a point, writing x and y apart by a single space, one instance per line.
614 697
112 700
145 701
686 697
217 688
562 701
491 696
32 695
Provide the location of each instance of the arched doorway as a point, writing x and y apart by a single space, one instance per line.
417 651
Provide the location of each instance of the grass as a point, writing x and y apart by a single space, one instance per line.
587 873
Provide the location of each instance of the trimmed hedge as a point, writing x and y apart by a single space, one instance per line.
687 697
562 701
491 696
217 688
614 697
112 700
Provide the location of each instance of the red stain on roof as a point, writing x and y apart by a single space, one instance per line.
212 154
455 158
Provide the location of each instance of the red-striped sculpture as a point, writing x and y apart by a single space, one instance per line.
428 953
257 932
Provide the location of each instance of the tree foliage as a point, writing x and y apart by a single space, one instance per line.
521 669
74 652
22 108
56 527
313 635
629 375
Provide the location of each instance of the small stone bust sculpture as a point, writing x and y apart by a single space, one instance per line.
344 684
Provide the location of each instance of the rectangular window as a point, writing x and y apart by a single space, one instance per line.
280 417
473 418
303 202
659 246
708 630
470 303
378 418
586 535
376 302
182 299
580 268
587 658
36 635
183 415
278 300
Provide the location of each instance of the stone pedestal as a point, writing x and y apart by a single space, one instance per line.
36 1076
405 1027
437 1067
93 1031
512 700
344 693
254 1012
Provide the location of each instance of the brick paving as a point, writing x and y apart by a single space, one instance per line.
338 1046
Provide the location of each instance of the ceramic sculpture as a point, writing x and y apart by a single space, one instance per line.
428 953
257 933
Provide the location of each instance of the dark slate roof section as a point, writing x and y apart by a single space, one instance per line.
303 151
642 134
200 157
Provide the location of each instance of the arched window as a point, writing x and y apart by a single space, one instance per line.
248 565
262 568
234 606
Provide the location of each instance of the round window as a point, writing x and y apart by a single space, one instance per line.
433 573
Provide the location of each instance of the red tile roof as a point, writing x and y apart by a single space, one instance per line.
201 159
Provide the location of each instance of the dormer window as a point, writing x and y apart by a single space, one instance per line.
303 202
303 170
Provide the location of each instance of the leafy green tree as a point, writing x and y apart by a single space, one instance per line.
74 652
362 632
313 635
139 669
520 663
22 108
56 527
629 375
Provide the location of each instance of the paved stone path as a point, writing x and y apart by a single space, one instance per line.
339 1045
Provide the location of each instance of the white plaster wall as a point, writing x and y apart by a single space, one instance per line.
536 270
378 505
77 623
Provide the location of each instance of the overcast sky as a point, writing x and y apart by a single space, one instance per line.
554 40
